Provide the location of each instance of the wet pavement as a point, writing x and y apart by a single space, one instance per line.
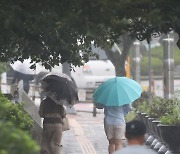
86 134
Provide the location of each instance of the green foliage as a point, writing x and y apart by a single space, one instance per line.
3 67
48 31
159 107
176 56
15 126
172 117
144 107
16 141
157 66
132 115
155 108
158 53
165 110
157 60
144 97
55 31
15 113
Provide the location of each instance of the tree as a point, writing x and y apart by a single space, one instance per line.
53 31
118 58
153 18
3 67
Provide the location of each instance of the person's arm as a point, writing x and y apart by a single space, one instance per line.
62 112
41 114
127 108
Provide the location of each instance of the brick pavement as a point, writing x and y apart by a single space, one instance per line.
86 135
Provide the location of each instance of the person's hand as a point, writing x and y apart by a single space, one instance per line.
64 115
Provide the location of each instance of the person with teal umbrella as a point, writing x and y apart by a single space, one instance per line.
116 95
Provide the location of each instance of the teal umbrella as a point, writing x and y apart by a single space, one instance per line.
117 91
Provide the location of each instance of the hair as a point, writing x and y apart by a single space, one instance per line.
135 129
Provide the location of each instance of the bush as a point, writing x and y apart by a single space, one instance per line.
16 114
15 141
172 117
157 107
131 116
165 110
15 126
144 97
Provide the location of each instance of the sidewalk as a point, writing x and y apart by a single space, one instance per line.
86 134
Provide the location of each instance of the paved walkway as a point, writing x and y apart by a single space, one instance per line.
86 135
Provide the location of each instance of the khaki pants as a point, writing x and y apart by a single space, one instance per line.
51 139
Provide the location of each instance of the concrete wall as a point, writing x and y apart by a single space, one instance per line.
31 108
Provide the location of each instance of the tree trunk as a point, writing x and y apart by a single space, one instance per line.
117 58
120 68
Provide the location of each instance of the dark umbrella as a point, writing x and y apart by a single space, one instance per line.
60 88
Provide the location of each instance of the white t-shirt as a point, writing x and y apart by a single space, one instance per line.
135 149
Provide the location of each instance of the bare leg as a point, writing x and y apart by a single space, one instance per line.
111 147
118 144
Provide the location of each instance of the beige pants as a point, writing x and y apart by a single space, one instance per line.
51 139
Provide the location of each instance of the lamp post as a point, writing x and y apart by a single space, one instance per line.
150 67
168 66
136 61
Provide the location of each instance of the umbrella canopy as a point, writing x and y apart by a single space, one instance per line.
117 91
24 67
60 88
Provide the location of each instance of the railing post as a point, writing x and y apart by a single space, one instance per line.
94 110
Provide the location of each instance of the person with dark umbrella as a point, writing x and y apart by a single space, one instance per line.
58 90
53 115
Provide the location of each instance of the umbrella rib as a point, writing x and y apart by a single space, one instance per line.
135 90
123 83
128 93
111 92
